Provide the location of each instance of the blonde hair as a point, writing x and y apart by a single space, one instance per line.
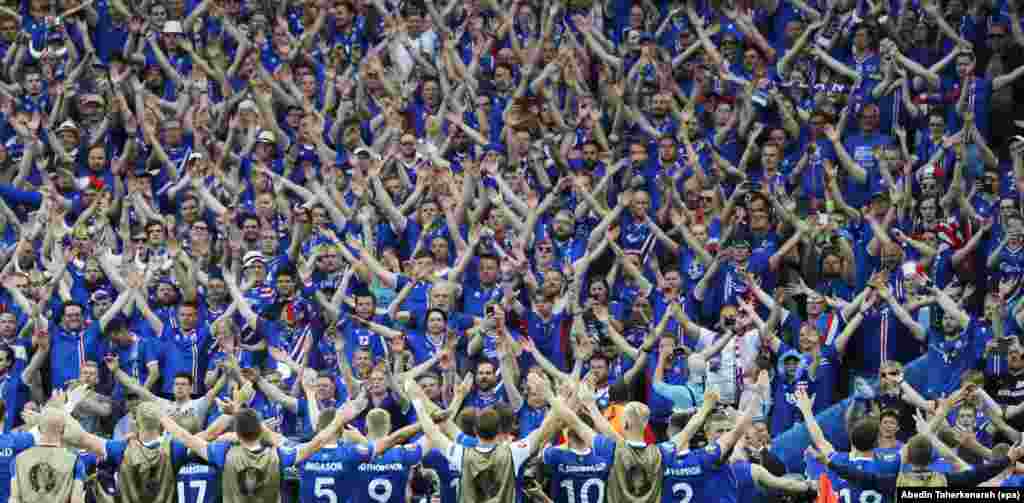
378 423
147 416
637 414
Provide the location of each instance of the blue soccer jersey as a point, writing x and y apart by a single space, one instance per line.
198 482
693 475
851 493
580 477
322 477
383 480
11 444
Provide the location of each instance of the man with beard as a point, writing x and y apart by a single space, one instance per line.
489 469
488 391
953 348
298 318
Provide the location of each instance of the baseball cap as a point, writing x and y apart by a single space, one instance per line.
266 136
67 125
253 258
101 294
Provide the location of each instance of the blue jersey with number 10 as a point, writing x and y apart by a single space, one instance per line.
383 480
580 478
322 477
198 482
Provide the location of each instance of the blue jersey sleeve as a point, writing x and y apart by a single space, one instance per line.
466 440
604 446
411 454
359 453
22 441
287 457
217 453
80 469
552 456
115 451
742 475
179 453
710 456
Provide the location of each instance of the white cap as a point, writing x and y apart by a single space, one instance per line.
173 27
194 156
247 105
67 126
253 258
266 136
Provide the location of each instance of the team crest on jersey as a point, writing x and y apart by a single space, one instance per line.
250 480
639 483
487 484
42 477
151 480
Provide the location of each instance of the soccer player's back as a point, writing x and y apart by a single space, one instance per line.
198 482
384 479
579 472
322 478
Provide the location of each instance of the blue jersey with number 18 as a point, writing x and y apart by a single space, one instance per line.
580 477
851 493
322 477
383 480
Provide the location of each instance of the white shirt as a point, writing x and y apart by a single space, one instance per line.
742 351
520 453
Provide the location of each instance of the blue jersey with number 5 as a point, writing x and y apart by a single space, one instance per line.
383 480
198 482
322 477
580 477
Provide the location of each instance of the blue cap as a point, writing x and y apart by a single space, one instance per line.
646 37
880 192
495 147
307 154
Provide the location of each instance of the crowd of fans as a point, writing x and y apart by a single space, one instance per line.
700 223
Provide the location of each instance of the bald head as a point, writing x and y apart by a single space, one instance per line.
51 422
636 415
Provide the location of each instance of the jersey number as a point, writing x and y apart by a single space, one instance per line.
865 496
570 490
683 492
198 485
323 488
380 490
